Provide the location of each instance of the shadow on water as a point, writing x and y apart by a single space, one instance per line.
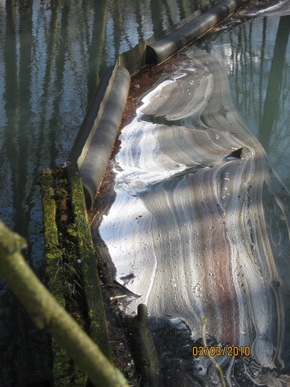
174 340
252 239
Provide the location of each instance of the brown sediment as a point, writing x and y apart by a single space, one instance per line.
218 255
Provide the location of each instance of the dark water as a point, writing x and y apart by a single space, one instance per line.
256 56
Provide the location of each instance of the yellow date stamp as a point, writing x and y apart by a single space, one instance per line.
218 350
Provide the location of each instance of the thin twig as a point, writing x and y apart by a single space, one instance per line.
217 366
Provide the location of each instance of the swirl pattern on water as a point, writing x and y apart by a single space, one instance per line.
189 218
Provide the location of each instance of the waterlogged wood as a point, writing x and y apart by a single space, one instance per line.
189 222
143 348
48 314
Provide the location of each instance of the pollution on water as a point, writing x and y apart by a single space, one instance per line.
197 229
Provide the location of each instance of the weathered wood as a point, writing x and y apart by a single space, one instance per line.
71 264
88 264
143 348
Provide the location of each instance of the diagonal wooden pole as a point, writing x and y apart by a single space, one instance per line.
47 314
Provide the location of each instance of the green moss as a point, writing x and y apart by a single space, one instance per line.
71 230
66 372
49 211
91 281
76 286
59 280
91 314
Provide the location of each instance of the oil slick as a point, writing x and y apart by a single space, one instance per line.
281 8
188 229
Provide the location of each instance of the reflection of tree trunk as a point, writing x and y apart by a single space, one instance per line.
25 137
170 21
262 66
97 44
10 85
156 12
47 145
138 14
275 81
54 74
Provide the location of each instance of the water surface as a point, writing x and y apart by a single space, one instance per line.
200 224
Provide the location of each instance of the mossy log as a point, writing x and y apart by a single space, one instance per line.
71 265
47 314
89 264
